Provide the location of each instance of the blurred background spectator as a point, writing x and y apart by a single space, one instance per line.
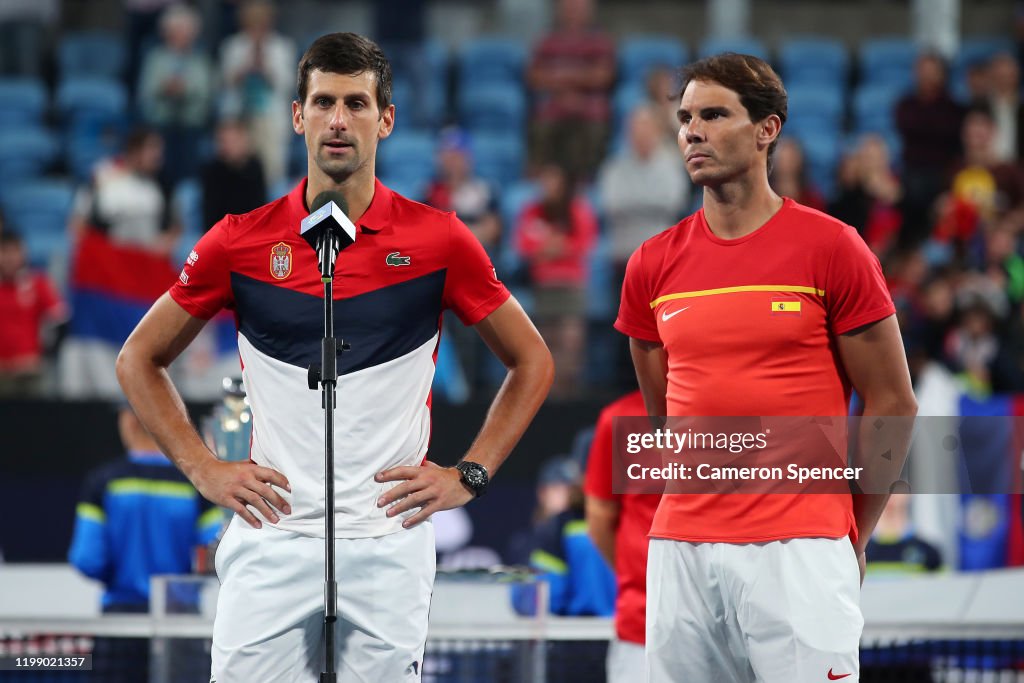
175 91
789 175
1008 110
571 74
258 76
555 235
868 194
30 309
928 120
232 181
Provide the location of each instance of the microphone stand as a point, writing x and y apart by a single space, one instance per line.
326 377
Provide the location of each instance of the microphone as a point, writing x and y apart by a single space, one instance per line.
328 229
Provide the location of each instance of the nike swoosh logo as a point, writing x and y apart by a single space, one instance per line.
834 677
665 316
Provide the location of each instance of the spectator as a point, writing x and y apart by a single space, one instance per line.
554 496
141 28
137 517
982 188
555 236
233 181
973 346
1007 108
571 74
928 120
126 202
175 91
789 175
581 583
457 189
894 548
30 307
643 189
869 193
258 71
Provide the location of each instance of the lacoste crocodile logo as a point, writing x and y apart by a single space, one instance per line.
396 259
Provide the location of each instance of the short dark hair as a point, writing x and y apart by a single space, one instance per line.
760 89
348 54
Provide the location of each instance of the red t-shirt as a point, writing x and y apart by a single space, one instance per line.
714 305
635 514
25 302
568 268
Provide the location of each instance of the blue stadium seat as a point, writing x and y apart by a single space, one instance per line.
873 108
491 58
409 185
823 102
88 95
493 108
498 157
39 211
91 53
26 153
746 46
420 84
407 155
638 54
814 60
887 61
22 101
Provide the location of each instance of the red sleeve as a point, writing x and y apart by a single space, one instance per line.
855 290
471 287
204 285
636 318
598 479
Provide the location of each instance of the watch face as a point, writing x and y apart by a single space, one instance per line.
474 475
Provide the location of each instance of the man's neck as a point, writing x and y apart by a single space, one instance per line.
736 209
357 190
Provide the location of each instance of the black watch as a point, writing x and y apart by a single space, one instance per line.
474 476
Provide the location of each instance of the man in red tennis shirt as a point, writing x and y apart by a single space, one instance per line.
408 264
756 306
618 523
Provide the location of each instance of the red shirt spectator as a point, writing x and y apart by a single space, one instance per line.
27 301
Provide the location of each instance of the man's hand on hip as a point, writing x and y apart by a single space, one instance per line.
431 488
236 485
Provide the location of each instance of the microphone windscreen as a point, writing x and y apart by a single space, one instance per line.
325 198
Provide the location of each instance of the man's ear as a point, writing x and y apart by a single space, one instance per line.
298 125
386 123
768 130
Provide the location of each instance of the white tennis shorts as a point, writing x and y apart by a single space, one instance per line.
778 612
625 663
269 622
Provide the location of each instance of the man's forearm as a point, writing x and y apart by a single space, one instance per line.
882 452
160 408
511 412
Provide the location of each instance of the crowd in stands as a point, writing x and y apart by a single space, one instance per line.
560 155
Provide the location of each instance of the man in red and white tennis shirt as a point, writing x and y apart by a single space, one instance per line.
618 523
756 306
408 264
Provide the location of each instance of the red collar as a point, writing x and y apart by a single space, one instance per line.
376 218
